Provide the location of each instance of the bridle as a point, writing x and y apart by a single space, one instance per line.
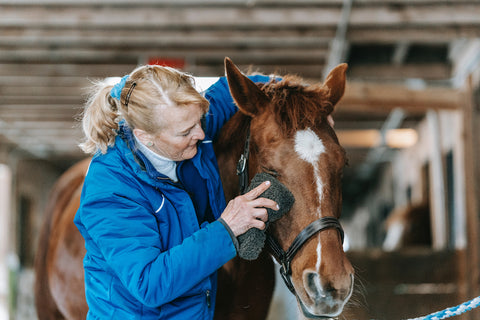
285 257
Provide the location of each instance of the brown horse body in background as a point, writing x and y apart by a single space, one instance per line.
408 226
59 280
290 136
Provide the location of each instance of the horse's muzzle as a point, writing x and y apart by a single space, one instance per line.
324 301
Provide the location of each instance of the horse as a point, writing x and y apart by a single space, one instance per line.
408 226
290 136
59 280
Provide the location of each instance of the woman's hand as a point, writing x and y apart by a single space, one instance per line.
248 211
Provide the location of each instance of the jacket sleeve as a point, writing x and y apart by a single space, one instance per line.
222 106
127 237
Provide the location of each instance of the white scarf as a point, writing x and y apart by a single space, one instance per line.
163 165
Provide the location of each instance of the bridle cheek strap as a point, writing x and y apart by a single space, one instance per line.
285 257
242 165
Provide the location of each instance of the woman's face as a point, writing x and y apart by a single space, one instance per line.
181 130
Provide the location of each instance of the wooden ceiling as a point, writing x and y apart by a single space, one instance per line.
410 53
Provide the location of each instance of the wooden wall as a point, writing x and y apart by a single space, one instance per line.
406 284
416 282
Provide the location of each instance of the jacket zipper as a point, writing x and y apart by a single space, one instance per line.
209 299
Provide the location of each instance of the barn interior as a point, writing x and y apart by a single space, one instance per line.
409 121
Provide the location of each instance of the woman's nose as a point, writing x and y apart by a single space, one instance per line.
198 133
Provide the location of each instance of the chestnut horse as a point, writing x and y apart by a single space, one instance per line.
291 138
408 226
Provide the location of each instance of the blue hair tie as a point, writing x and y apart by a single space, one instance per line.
116 91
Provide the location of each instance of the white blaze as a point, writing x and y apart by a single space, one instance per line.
309 147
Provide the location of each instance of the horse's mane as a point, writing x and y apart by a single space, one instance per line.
297 105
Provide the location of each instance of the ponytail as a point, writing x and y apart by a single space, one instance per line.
100 120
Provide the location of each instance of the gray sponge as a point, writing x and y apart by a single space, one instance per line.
252 242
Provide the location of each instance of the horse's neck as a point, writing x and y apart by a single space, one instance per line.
228 148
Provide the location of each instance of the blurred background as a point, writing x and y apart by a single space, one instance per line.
409 121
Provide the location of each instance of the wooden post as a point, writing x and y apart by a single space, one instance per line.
437 181
5 212
471 121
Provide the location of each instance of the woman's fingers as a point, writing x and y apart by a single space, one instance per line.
261 214
255 192
253 195
259 224
249 211
264 203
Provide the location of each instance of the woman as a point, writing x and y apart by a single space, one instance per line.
152 212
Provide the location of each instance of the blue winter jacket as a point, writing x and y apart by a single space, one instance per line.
147 257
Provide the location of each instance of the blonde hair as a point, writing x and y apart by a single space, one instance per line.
146 89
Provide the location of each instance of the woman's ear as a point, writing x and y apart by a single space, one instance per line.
143 136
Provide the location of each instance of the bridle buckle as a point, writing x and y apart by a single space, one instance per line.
241 165
286 273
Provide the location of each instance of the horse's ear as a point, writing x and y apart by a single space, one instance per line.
335 83
248 97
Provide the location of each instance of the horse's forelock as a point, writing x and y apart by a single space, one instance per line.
297 106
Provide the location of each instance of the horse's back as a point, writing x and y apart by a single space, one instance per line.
58 263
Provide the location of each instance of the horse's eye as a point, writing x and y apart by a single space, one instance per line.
271 171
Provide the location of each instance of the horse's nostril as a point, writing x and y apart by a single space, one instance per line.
329 289
313 285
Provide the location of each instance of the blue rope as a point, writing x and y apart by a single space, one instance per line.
453 311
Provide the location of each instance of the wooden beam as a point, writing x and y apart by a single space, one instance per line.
75 37
415 34
16 103
39 143
208 3
371 138
66 69
102 70
359 96
37 113
252 55
365 97
395 72
153 17
17 92
169 38
42 80
94 16
424 15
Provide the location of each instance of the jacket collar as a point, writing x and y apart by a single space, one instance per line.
126 134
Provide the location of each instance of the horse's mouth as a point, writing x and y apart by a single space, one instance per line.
327 307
